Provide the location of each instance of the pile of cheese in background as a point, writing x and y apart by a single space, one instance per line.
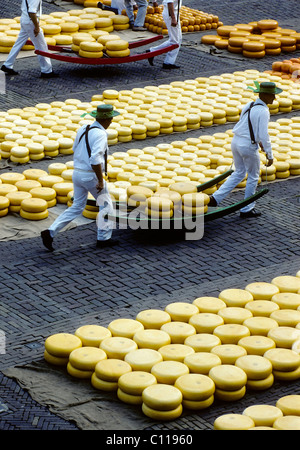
190 354
255 39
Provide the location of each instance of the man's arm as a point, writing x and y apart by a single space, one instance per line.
35 21
172 14
98 171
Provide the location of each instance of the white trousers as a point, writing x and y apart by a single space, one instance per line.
175 37
246 161
27 31
85 182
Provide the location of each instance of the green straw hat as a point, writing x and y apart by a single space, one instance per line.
103 112
266 87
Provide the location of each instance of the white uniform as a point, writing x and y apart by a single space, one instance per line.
174 33
245 154
27 31
85 181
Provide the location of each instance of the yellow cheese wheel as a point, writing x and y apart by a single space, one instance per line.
90 46
77 373
55 360
195 199
260 325
183 188
256 345
124 327
162 397
153 318
159 204
256 367
228 377
198 405
111 369
27 185
235 297
86 54
152 338
228 422
285 300
117 45
287 283
195 387
263 415
34 174
228 353
262 290
261 385
62 189
129 398
263 308
203 342
230 396
162 415
5 188
135 382
181 311
117 347
202 362
11 177
231 333
92 335
175 352
34 205
86 358
283 360
209 304
289 405
287 423
34 215
103 385
178 331
43 193
287 376
234 314
284 337
118 53
267 24
4 202
167 372
205 322
15 198
143 359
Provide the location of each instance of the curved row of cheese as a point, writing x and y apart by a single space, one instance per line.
32 133
188 354
284 415
59 27
255 39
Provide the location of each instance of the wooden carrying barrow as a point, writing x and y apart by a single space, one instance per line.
105 59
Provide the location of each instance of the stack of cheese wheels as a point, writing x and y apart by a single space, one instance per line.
36 151
65 146
118 347
228 353
56 168
15 200
51 148
153 318
151 338
132 384
50 180
45 193
4 205
263 415
19 154
107 373
92 335
137 196
120 22
201 362
118 48
125 327
34 209
284 336
104 24
197 391
162 402
88 49
175 352
254 49
229 422
143 359
256 345
59 346
90 212
107 38
159 208
195 204
167 372
230 382
62 189
285 362
83 360
258 370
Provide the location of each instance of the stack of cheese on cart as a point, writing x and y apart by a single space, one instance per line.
79 28
190 354
255 39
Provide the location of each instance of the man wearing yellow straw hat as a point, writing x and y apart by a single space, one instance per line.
250 134
90 159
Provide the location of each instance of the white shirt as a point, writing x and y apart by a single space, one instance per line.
98 144
175 3
259 116
34 6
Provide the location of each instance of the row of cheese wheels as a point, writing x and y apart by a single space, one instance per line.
284 415
60 27
255 39
161 361
287 69
144 112
191 20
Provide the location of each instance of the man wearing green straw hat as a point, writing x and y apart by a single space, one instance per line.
90 159
250 134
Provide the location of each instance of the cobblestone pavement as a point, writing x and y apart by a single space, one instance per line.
43 293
